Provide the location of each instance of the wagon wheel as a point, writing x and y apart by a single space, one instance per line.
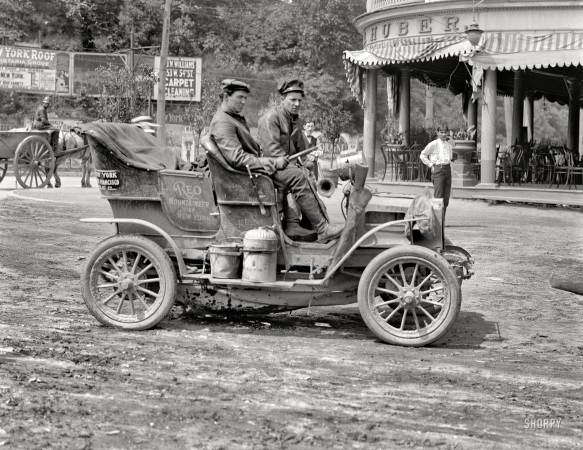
3 170
34 162
409 296
129 282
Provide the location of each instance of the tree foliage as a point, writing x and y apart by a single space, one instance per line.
332 124
14 17
261 42
199 114
124 93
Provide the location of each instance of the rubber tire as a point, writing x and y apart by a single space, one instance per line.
439 265
162 264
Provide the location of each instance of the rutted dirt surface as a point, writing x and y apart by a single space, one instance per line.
512 361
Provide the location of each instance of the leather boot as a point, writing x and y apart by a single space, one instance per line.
311 209
293 229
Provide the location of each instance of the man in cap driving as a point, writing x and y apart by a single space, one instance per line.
41 120
280 135
231 133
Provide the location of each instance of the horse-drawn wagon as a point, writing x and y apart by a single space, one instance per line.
184 235
35 155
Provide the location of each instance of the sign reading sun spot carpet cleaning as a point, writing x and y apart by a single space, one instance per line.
182 77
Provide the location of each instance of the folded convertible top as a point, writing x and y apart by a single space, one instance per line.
134 146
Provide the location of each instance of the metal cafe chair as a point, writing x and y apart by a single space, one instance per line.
575 169
561 168
535 167
393 156
477 164
413 162
509 164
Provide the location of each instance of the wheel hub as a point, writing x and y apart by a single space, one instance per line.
409 297
127 282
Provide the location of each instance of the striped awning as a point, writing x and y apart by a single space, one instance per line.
399 51
507 51
495 51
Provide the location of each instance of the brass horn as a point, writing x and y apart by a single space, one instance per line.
326 187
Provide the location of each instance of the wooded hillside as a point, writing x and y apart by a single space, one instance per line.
259 41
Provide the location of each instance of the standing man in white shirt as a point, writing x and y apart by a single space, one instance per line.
438 156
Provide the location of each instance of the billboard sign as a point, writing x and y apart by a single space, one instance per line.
183 76
27 69
34 70
85 65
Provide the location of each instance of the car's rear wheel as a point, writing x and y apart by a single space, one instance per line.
129 282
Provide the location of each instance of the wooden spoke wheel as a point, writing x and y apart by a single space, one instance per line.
34 162
409 296
129 282
3 170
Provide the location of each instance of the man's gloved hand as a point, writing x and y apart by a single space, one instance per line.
281 162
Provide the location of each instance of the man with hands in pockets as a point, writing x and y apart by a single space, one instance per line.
438 156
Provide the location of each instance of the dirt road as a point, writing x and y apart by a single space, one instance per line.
508 375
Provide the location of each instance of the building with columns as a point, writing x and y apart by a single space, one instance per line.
480 49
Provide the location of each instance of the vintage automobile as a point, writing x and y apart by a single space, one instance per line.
213 238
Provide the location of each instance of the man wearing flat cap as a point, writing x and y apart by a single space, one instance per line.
231 133
281 135
41 120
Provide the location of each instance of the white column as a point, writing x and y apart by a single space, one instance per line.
429 94
529 116
405 103
488 166
370 112
508 120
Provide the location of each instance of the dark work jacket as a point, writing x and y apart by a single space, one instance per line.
41 119
276 135
231 134
312 141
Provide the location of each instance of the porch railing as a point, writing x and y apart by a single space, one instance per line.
374 5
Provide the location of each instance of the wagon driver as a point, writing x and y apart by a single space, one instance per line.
41 120
438 156
230 132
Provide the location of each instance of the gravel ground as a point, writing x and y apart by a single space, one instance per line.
507 376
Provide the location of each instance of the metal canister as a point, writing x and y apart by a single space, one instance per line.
260 255
225 260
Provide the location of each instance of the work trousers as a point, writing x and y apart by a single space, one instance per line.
41 126
441 178
312 165
294 180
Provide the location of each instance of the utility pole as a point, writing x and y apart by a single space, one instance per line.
131 58
161 114
131 63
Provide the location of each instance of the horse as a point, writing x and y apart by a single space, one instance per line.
69 140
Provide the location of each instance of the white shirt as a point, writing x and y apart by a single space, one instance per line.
437 152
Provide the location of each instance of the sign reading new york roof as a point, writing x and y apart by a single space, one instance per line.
183 76
34 70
